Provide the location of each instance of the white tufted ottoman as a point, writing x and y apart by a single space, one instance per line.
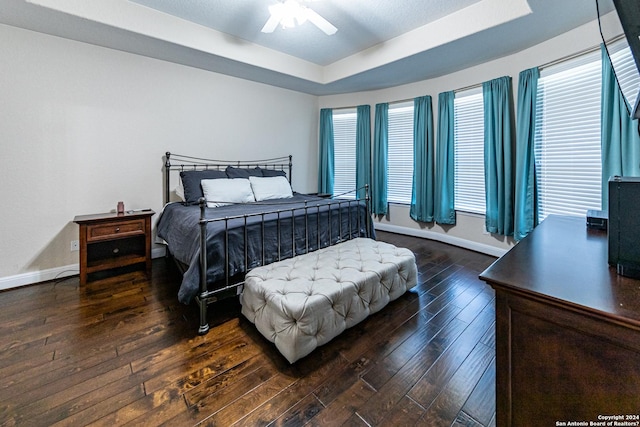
303 302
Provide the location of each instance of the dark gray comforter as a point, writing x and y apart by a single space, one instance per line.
262 238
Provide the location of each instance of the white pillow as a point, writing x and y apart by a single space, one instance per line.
273 187
220 192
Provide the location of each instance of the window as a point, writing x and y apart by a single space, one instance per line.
344 151
400 154
625 69
567 137
469 151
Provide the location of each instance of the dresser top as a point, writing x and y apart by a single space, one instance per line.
564 261
110 216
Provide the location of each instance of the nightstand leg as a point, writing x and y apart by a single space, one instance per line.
83 255
147 243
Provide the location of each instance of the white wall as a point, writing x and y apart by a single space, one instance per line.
469 229
82 127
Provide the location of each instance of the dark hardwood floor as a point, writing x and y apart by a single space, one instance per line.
122 350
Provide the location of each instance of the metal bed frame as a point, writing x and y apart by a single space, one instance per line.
206 295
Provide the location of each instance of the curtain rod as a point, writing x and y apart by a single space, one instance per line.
569 57
400 101
348 107
390 102
473 86
582 52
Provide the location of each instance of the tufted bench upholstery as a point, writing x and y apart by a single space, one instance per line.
303 302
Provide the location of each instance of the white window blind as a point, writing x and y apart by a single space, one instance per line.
626 71
469 151
344 151
400 153
567 137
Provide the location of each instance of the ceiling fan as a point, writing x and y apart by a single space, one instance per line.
289 12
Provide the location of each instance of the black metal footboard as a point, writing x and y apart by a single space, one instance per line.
281 233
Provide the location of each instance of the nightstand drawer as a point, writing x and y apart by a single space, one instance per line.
116 250
115 230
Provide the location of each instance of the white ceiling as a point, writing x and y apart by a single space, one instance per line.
379 43
362 23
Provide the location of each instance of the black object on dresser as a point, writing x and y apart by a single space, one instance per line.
624 225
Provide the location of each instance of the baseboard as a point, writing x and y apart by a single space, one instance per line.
444 238
73 269
158 252
53 273
38 276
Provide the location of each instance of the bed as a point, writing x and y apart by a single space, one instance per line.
216 232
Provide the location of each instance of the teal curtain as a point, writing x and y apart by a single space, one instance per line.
325 162
444 210
380 154
363 149
526 212
423 161
619 134
498 156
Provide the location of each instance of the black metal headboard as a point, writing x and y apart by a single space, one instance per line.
179 162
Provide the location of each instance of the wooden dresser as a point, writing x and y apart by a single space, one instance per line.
111 241
567 330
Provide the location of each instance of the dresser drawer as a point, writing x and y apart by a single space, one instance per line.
114 230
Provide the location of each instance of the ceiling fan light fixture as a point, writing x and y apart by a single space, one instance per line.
301 18
290 12
288 22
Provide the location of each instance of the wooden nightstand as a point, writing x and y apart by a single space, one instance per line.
111 240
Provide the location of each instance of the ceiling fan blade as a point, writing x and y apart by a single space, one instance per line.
320 22
274 19
271 24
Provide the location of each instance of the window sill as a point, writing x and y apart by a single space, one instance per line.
471 214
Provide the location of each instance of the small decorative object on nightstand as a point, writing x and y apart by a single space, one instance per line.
113 240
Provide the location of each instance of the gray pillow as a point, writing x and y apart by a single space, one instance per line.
191 183
273 172
242 173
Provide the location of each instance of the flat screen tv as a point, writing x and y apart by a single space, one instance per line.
620 31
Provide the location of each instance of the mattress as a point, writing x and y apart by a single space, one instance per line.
267 235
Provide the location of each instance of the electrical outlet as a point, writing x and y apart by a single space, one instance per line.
75 245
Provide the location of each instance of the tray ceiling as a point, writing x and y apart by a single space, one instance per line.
379 43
